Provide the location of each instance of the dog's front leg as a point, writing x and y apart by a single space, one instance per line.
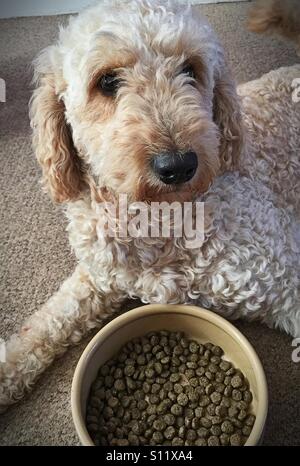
75 309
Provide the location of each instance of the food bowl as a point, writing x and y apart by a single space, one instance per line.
197 323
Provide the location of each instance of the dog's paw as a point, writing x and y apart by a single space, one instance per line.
13 384
6 386
15 372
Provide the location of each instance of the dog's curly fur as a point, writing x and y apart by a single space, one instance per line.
93 147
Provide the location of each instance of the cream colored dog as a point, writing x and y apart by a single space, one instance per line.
136 97
280 17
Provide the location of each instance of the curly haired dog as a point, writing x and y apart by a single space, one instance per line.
277 17
136 97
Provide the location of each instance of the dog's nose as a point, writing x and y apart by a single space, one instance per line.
175 168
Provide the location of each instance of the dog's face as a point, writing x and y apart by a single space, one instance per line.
135 98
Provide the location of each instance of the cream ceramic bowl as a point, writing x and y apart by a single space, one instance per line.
197 323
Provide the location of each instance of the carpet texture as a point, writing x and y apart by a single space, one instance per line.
35 256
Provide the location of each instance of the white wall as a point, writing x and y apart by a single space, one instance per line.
13 8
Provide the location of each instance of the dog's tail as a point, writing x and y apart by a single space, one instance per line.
281 17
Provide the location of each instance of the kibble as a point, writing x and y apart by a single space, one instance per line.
176 410
182 399
158 437
211 409
169 432
227 427
236 440
191 435
200 442
202 432
165 389
113 402
179 421
213 441
177 441
178 388
224 439
206 422
195 423
216 430
236 381
236 394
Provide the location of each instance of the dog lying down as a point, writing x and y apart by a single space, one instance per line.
277 17
136 98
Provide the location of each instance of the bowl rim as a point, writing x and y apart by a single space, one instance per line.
129 316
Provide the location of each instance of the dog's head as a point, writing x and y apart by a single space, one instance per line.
135 98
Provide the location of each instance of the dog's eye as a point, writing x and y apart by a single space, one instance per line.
189 71
109 84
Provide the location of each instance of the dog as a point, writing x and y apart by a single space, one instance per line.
136 97
280 17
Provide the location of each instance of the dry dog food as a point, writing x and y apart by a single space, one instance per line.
165 389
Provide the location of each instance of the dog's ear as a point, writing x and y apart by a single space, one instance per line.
227 116
52 138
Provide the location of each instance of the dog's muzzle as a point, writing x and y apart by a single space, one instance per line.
175 168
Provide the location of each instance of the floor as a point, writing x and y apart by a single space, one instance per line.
34 252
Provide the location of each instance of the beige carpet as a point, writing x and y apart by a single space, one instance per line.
34 252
